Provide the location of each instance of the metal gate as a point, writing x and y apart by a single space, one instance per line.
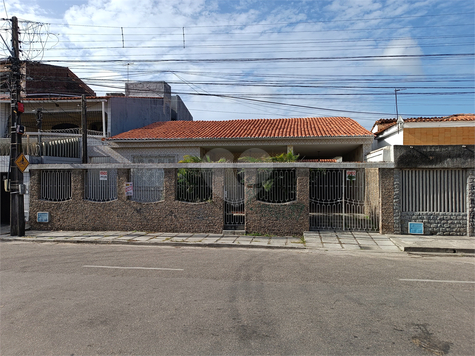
338 201
234 217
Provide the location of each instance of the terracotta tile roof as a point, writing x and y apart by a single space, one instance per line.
324 160
384 124
256 128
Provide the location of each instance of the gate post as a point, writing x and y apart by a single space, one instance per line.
303 193
386 186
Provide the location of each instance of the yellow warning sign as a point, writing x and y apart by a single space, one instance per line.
22 162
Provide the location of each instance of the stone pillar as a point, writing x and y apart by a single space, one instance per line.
303 196
386 193
169 184
77 184
218 189
471 204
250 181
122 178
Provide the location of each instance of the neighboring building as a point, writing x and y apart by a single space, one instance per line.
43 80
57 92
432 183
310 138
456 129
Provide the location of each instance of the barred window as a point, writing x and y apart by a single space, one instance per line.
194 185
100 185
276 185
434 190
55 185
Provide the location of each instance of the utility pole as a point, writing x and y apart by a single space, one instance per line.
84 127
395 95
17 210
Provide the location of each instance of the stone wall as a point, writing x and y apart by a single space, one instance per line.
435 223
169 215
290 218
471 204
122 214
445 224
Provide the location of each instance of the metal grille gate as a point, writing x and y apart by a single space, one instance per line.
338 202
234 217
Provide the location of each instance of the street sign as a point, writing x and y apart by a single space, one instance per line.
22 162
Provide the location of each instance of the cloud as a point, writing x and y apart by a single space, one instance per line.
188 30
402 47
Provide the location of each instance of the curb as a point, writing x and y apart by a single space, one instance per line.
143 243
444 250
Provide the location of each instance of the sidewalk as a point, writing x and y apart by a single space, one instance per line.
312 240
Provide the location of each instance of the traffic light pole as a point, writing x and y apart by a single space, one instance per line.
17 209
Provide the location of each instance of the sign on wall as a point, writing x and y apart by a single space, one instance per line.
351 175
129 189
102 175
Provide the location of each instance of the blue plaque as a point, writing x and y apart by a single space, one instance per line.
416 228
42 217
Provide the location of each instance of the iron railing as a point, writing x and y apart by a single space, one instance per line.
234 212
147 185
55 185
434 190
276 185
100 185
194 185
338 201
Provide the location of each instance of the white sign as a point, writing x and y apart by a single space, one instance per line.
129 189
102 175
351 175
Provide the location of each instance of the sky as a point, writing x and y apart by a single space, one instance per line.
249 59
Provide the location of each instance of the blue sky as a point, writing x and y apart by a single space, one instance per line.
247 59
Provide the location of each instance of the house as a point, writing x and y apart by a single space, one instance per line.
313 138
458 129
434 173
52 99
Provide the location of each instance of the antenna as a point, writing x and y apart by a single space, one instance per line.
5 7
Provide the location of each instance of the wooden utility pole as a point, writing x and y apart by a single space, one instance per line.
17 210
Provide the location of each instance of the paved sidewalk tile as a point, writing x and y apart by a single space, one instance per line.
278 241
211 239
142 238
260 241
196 238
244 240
351 247
227 239
332 246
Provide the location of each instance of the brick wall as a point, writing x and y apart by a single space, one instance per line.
439 136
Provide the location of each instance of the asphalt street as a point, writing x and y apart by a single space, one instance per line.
87 299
